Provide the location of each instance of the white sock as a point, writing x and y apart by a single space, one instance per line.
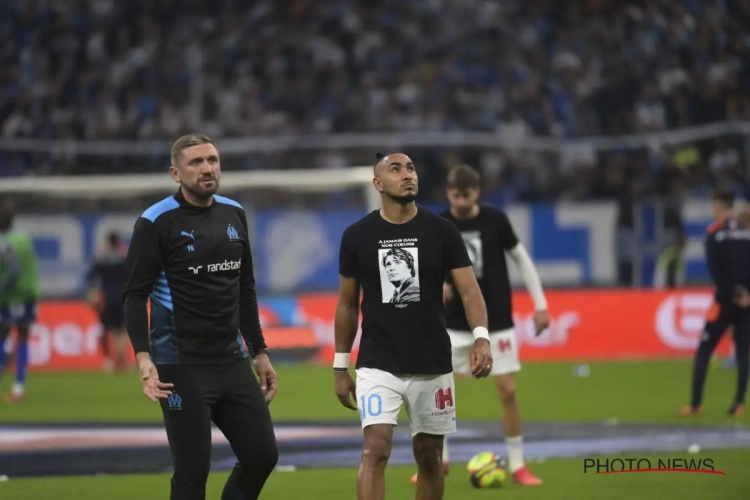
515 453
18 389
445 450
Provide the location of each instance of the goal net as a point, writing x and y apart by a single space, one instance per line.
295 218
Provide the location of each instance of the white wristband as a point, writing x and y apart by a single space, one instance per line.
341 360
481 332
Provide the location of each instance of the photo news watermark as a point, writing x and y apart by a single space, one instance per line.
620 465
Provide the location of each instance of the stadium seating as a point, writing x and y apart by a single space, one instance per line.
143 70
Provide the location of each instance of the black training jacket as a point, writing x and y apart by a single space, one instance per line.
718 261
195 266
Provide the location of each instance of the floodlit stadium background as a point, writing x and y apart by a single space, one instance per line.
600 126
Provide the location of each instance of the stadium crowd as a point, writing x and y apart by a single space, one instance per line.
144 69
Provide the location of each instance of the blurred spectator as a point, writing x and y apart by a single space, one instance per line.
670 268
102 69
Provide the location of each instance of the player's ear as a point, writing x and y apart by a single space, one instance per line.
175 174
376 172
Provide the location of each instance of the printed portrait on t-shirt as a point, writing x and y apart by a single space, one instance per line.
473 242
399 274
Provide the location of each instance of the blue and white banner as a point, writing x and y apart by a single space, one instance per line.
696 217
297 250
570 244
67 244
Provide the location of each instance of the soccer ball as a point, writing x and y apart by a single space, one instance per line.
480 461
486 470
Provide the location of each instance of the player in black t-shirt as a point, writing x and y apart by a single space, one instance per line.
400 256
488 235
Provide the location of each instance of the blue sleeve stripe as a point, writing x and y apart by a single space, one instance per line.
227 201
245 352
154 211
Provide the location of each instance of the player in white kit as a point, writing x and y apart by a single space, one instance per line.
400 257
488 235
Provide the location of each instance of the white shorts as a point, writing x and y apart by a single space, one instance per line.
429 399
503 346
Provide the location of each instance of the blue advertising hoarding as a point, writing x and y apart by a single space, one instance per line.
297 250
571 245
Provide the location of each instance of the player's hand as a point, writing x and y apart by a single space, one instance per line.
346 390
269 381
541 321
447 292
153 388
481 358
741 296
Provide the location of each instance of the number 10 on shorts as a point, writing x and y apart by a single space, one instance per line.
370 406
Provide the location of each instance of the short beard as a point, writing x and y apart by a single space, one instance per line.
201 194
405 199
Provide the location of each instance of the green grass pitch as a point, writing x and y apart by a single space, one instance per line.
564 480
648 392
631 392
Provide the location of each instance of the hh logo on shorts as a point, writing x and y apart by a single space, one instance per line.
175 402
504 345
443 402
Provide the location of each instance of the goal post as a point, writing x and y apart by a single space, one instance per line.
295 218
124 186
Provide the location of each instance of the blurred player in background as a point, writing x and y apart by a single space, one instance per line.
730 361
670 268
19 293
488 235
739 252
399 256
105 285
720 258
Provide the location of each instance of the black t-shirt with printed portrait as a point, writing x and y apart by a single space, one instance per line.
401 269
487 237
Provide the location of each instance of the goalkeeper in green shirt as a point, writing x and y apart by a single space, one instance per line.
19 293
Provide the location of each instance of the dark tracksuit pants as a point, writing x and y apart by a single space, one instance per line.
229 395
721 317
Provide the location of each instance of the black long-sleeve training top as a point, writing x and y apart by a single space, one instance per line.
718 261
736 240
195 265
109 274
